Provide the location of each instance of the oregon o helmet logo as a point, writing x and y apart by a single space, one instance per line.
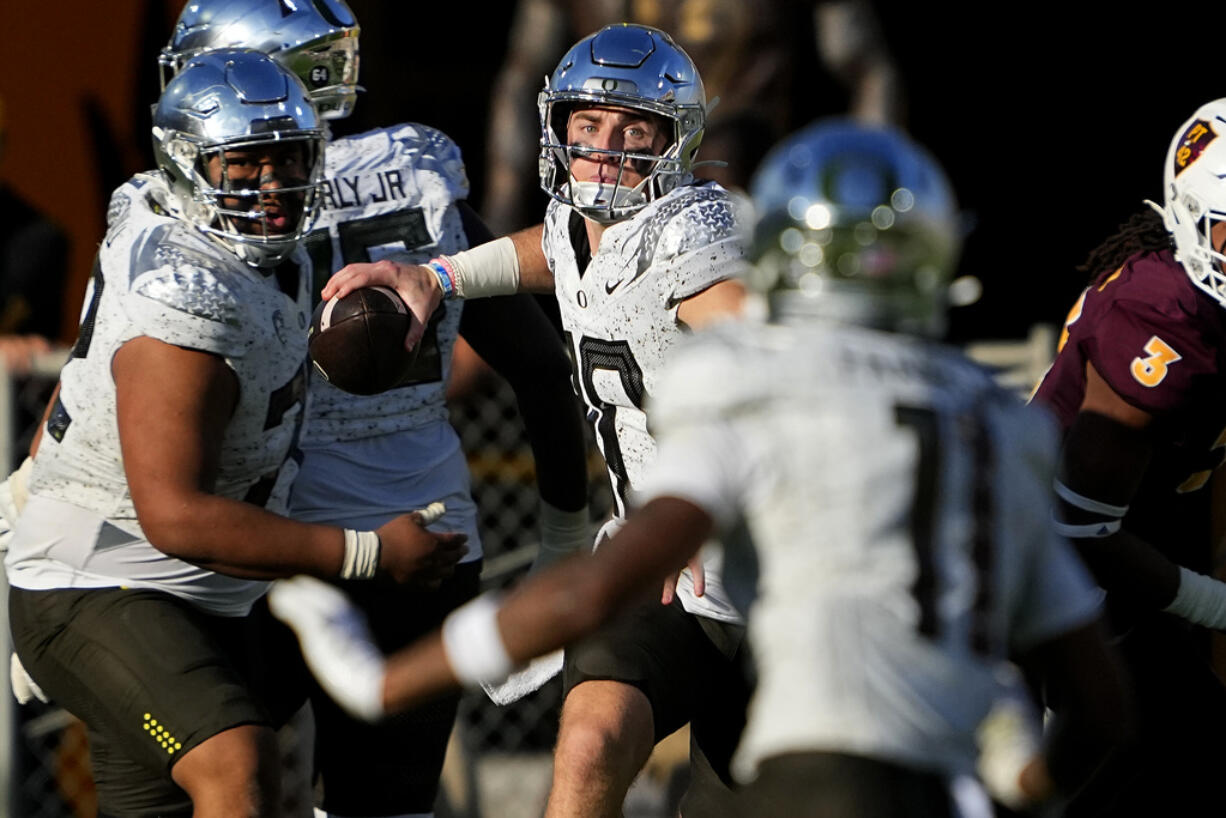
608 84
319 75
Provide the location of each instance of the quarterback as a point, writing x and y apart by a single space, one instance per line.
635 251
883 505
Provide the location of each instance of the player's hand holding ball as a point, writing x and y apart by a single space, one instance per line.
357 341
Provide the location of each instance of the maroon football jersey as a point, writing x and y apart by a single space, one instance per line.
1158 341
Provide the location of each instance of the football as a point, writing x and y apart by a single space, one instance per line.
356 342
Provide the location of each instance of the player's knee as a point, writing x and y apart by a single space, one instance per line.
615 733
235 772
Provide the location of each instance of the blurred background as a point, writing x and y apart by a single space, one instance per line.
1052 120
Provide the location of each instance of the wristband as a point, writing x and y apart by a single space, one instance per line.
473 644
1200 600
446 277
362 550
491 268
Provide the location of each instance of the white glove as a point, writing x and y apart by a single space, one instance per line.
25 689
335 642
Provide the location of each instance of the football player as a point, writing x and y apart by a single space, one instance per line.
156 495
400 192
635 250
1139 388
883 505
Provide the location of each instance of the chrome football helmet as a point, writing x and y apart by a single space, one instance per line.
1194 188
316 39
629 66
856 224
229 101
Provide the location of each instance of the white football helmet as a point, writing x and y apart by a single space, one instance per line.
857 224
630 66
229 100
1194 187
315 39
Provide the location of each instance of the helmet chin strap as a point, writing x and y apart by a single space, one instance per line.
606 201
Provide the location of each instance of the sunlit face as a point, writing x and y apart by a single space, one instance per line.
267 168
614 129
1217 236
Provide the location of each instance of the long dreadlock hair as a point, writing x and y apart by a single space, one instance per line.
1143 232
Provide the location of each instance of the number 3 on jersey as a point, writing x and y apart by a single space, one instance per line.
614 358
1150 371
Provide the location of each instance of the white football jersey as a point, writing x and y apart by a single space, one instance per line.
886 517
389 192
620 318
159 277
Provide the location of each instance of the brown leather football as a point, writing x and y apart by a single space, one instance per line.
357 342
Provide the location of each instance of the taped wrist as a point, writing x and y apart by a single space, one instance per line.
562 533
491 268
1200 599
362 549
473 644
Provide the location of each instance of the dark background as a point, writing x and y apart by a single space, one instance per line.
1053 122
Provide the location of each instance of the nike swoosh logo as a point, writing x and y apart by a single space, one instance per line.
609 288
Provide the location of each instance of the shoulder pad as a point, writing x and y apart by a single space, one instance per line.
689 218
182 294
410 146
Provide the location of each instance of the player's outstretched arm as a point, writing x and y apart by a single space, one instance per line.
173 406
500 267
483 641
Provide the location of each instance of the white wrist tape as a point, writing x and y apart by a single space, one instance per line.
1200 599
361 554
491 268
473 644
562 533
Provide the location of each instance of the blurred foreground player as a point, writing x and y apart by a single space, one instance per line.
399 192
637 251
1139 387
883 504
153 519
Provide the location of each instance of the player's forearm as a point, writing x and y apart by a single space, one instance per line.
243 540
1131 569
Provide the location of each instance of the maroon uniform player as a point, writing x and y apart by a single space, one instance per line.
1139 384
